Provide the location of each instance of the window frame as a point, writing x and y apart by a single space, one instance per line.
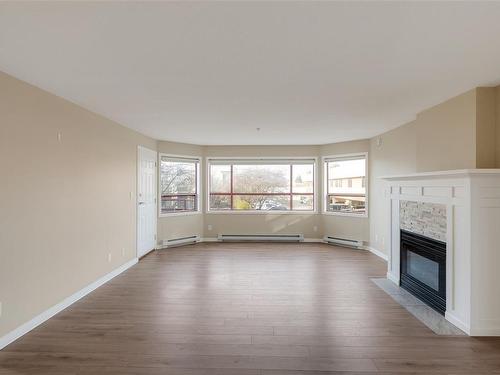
325 160
262 212
191 158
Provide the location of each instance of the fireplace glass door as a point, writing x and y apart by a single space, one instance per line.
423 269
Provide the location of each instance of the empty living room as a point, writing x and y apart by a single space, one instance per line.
249 187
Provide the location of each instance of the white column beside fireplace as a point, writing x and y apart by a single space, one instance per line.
472 200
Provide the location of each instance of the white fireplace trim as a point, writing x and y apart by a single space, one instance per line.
472 199
457 322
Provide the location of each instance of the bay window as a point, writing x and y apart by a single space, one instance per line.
261 185
179 184
345 184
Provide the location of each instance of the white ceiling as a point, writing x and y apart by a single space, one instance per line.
213 72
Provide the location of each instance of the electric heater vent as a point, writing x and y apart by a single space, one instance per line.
180 241
261 237
343 242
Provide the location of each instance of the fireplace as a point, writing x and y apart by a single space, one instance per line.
467 220
423 269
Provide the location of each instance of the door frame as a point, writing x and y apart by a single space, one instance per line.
155 219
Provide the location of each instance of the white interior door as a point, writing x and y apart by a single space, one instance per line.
146 201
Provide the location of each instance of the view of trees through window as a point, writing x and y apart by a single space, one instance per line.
260 186
178 185
346 189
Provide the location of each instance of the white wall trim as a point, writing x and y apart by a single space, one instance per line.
306 240
313 240
378 253
458 323
140 150
391 277
49 313
262 212
209 239
181 213
493 331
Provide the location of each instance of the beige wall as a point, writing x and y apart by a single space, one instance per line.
261 151
64 205
396 154
497 127
459 133
465 127
446 134
226 223
486 127
182 149
345 147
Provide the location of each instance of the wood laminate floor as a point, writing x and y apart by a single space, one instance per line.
249 309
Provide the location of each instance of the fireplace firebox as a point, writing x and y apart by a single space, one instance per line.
423 269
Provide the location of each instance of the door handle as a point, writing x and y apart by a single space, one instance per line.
140 203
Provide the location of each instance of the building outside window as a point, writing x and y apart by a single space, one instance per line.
345 184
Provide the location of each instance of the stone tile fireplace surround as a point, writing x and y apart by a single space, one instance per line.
462 209
424 218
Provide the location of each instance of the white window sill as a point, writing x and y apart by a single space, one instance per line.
264 212
176 214
347 214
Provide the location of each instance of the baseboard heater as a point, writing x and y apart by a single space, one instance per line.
261 237
180 241
343 242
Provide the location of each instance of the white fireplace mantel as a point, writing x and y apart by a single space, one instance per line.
472 199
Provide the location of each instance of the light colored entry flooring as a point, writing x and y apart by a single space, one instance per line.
251 309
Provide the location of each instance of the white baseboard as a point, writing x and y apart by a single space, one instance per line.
493 331
215 239
391 277
457 322
313 240
47 314
377 253
209 239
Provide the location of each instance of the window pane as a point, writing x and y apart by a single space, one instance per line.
303 178
261 202
178 177
178 185
220 202
220 178
346 186
303 202
173 203
343 203
257 186
261 178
